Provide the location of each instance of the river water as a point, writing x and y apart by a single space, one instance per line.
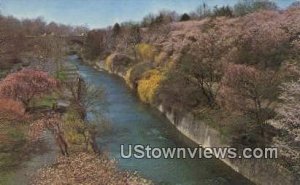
133 122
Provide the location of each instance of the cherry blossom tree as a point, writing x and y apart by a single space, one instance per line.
11 109
250 91
289 109
202 65
26 84
263 40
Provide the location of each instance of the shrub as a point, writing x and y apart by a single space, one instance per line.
248 6
117 62
163 17
74 128
53 123
26 84
108 62
250 91
149 84
264 42
289 110
145 52
127 77
86 168
202 11
223 11
135 73
11 109
185 17
177 93
162 59
94 44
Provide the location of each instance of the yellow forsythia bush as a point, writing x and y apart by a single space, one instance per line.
127 77
108 62
146 52
73 128
135 73
149 84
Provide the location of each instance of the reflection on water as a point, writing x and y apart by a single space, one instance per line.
133 122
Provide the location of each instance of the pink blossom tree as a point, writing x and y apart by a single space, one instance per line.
289 109
249 91
26 84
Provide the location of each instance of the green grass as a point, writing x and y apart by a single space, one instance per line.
3 73
12 147
6 177
45 101
61 75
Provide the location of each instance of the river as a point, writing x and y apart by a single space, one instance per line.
133 122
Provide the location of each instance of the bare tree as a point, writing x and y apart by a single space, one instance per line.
132 39
85 97
53 123
50 48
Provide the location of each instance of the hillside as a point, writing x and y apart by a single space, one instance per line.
239 74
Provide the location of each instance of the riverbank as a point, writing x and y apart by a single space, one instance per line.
133 122
257 170
82 161
38 145
44 155
18 169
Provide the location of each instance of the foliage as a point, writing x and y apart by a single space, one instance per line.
61 75
163 17
149 84
162 59
132 39
231 59
264 41
13 147
176 92
34 36
11 109
185 17
26 84
47 101
202 64
117 62
134 74
248 6
108 62
94 44
289 109
250 91
145 52
85 168
48 48
85 97
295 5
53 123
223 11
116 29
74 128
203 11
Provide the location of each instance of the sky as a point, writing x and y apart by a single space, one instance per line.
102 13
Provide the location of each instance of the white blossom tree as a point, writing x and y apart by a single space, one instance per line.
289 109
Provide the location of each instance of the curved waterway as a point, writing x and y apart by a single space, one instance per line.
132 122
